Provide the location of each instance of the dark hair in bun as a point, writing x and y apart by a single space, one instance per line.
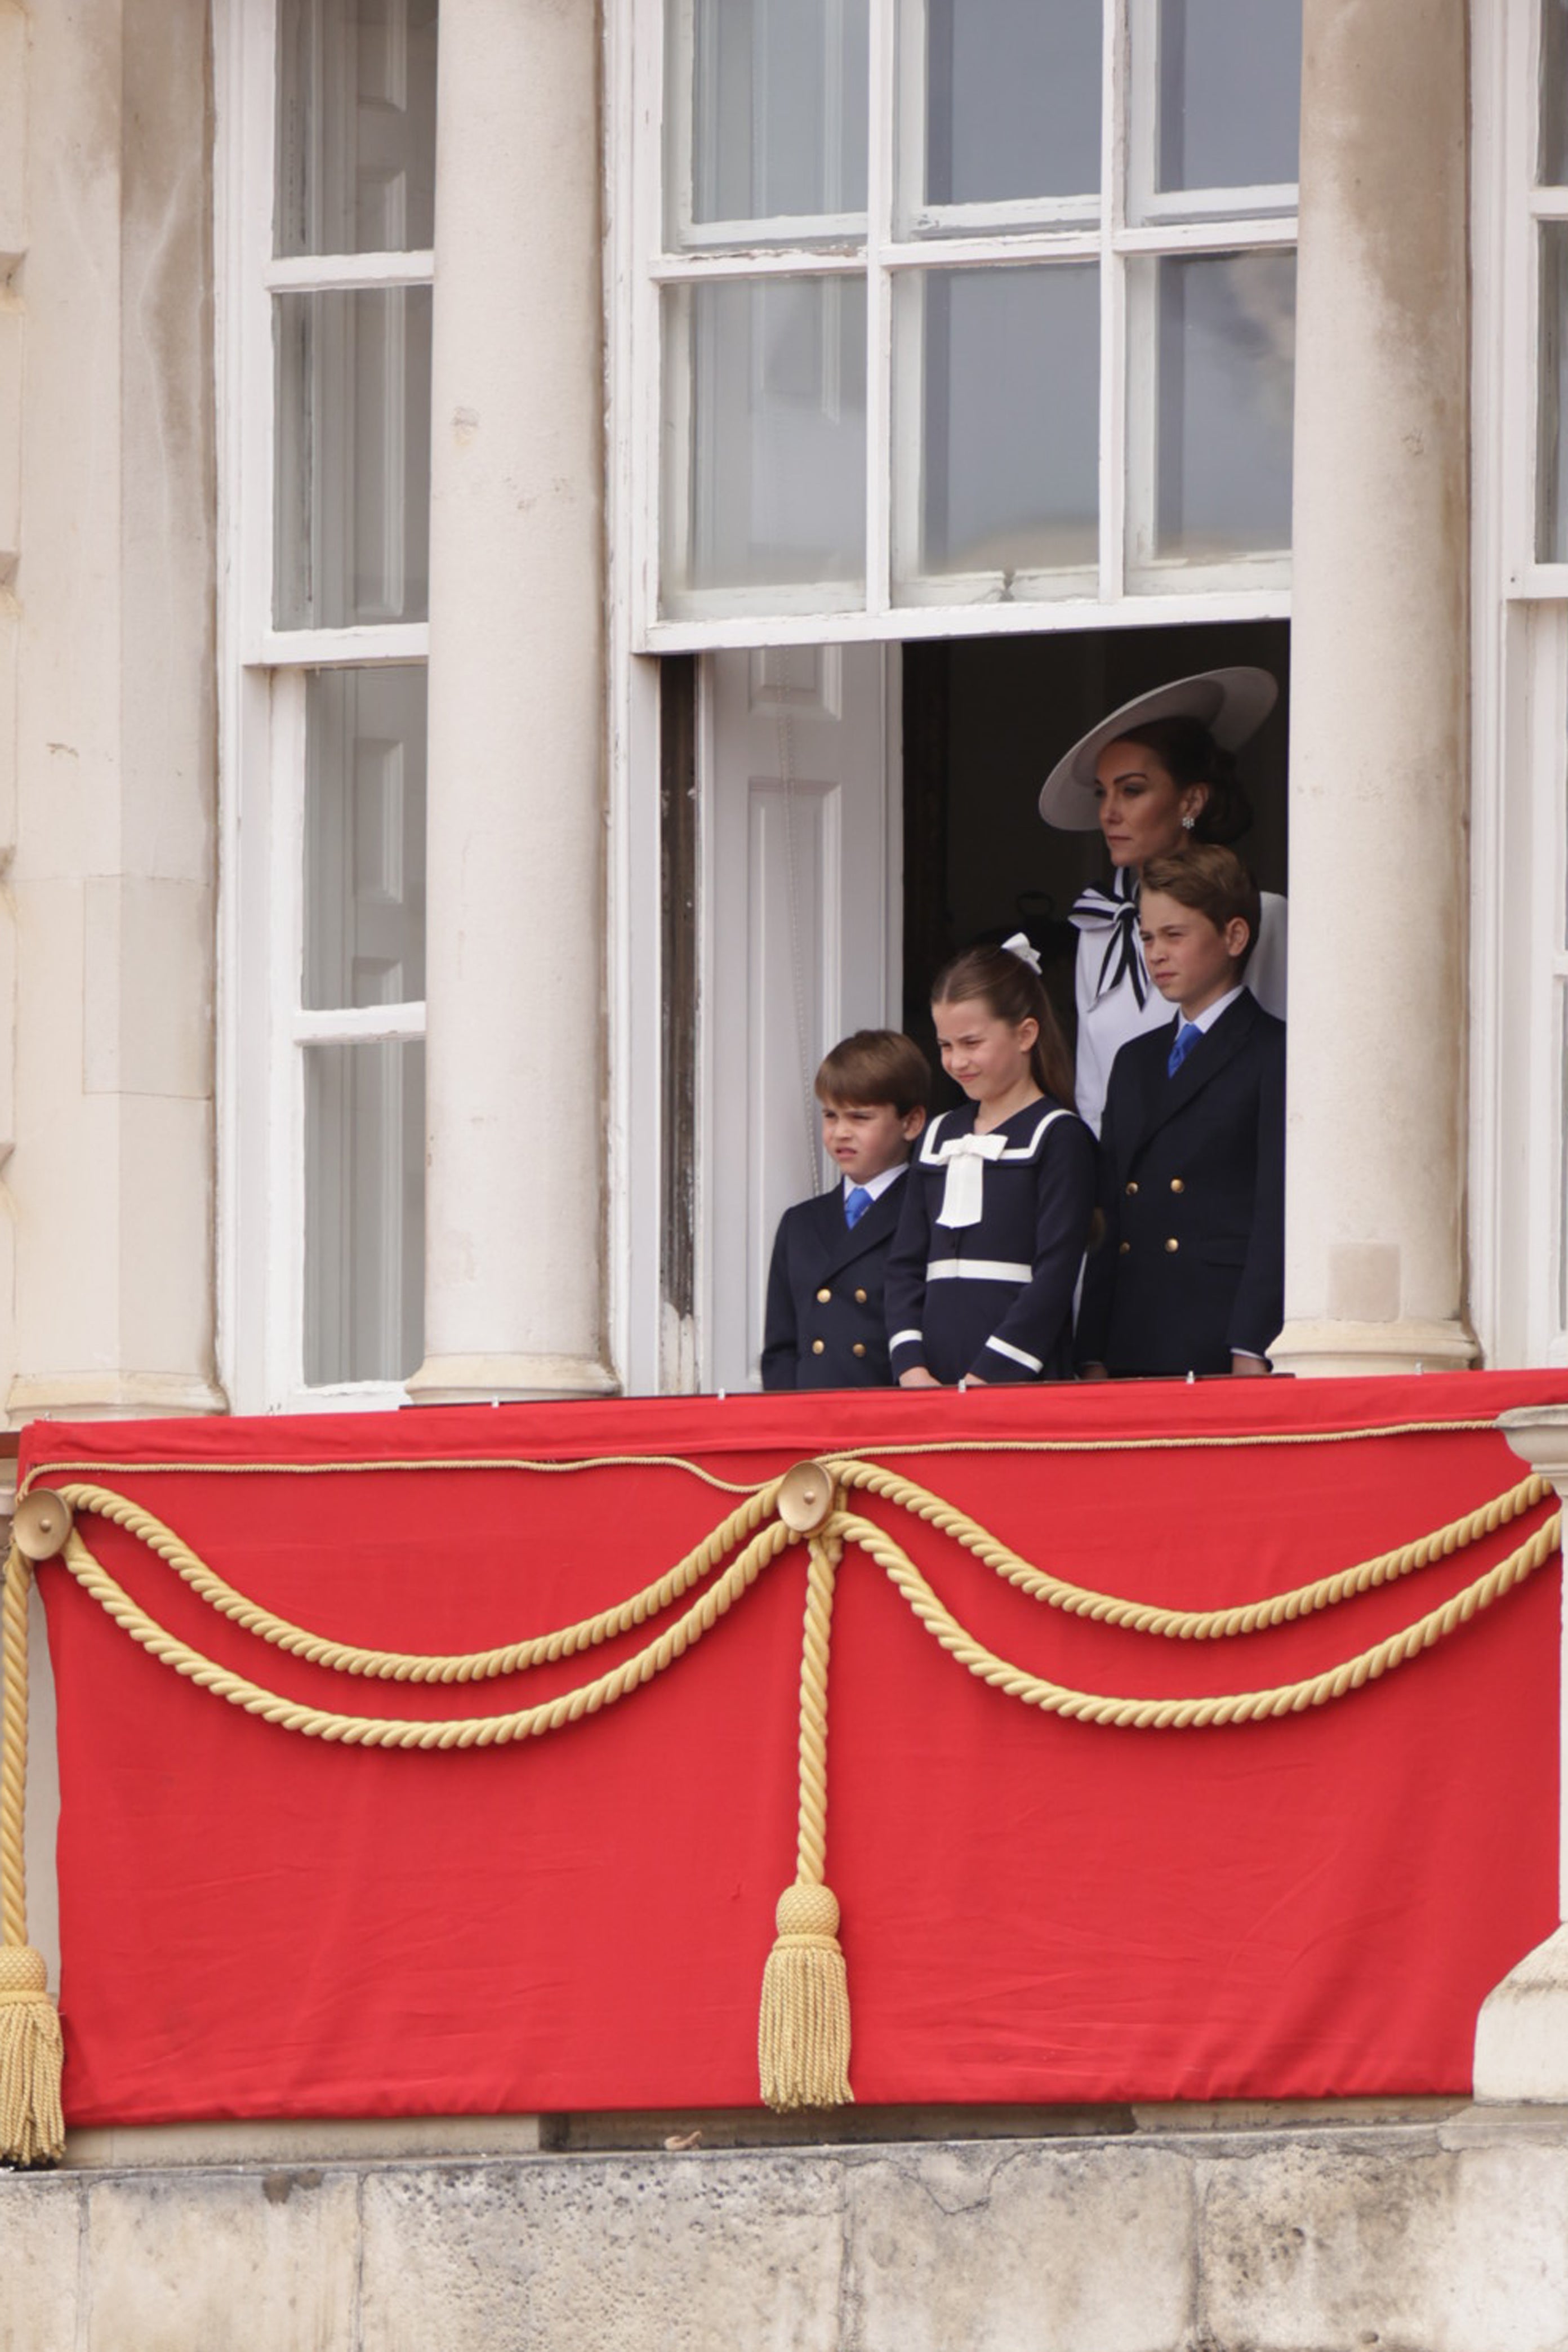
1186 748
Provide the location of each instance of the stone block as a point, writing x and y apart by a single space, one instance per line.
1016 2246
41 2221
706 2251
302 2141
1504 2277
1403 2245
252 2261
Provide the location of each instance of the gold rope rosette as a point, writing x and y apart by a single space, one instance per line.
803 2031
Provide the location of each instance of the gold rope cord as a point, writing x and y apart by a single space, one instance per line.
32 2126
803 2024
544 1465
40 1472
471 1731
587 1698
1197 1714
1192 1624
14 1752
392 1665
587 1633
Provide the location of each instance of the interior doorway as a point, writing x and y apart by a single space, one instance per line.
859 812
984 719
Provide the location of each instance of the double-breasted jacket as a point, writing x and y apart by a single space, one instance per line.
825 1327
1191 1268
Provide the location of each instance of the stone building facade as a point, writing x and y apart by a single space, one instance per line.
539 554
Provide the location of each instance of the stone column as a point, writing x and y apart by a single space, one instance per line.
108 738
1521 2033
1378 735
515 1226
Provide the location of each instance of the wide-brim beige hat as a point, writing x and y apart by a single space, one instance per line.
1231 703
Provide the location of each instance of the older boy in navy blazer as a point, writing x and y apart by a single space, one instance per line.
1190 1276
824 1321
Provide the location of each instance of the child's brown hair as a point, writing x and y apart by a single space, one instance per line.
1212 881
876 1066
1014 992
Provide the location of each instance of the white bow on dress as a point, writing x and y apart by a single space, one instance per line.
964 1158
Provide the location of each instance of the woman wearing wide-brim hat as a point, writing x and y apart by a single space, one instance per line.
1157 774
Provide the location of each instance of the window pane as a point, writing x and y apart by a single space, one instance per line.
1552 519
364 1211
1554 93
778 90
357 126
997 388
764 437
1214 395
1012 97
1225 83
365 837
352 540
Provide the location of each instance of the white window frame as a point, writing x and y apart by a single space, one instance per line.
878 256
1518 928
263 1026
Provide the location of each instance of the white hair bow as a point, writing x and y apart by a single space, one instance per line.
1018 945
964 1158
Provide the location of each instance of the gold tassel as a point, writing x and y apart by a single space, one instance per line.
803 2033
32 2126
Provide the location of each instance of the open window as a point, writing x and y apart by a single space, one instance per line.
969 317
961 349
328 190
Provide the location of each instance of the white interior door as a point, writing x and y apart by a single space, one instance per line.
801 937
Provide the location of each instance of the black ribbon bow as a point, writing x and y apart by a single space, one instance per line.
1116 911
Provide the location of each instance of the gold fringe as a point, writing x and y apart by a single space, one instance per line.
802 2033
32 2126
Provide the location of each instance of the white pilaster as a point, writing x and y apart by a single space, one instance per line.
107 774
1379 661
515 979
1521 2033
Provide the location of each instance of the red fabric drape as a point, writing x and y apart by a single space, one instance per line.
255 1923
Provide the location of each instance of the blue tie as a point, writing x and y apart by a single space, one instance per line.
857 1201
1187 1037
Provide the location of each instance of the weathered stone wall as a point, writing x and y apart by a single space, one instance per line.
1447 2235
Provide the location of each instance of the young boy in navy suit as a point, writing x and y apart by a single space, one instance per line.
1190 1276
825 1323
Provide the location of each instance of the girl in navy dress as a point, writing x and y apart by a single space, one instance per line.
1000 1196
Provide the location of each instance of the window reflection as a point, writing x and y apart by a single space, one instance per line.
365 837
1229 103
352 537
1554 93
1005 367
364 1211
778 108
1012 98
357 126
1551 517
765 434
1224 381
